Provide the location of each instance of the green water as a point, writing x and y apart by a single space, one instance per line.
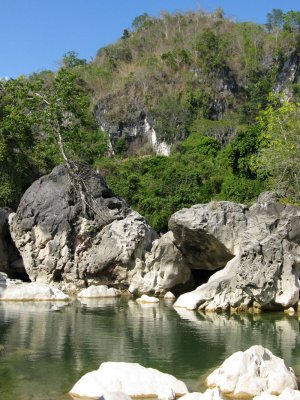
45 349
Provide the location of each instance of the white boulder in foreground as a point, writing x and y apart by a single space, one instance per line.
115 396
31 291
98 291
130 378
147 299
251 373
209 394
287 394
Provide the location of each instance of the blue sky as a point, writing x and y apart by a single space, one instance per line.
34 34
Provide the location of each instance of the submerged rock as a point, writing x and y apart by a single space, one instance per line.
71 229
130 378
251 373
265 244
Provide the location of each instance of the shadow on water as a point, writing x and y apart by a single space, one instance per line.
45 348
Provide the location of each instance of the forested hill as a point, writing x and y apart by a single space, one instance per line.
220 98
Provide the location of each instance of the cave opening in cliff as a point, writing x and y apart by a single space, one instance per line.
201 276
21 274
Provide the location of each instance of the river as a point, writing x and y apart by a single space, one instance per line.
45 347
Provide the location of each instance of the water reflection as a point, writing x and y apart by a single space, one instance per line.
46 348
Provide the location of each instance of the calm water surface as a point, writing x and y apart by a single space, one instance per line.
45 348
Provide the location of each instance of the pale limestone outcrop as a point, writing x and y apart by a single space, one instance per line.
251 373
98 291
147 299
130 378
31 291
164 267
265 246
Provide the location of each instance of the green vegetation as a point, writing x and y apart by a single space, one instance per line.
202 80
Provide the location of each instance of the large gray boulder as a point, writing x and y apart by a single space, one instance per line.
73 232
208 235
265 242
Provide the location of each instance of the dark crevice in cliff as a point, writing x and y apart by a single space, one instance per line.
201 276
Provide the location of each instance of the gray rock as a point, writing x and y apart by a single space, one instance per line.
164 267
265 241
72 231
208 235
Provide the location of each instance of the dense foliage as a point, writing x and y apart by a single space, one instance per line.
222 93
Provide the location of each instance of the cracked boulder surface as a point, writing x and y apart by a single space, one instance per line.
264 241
72 231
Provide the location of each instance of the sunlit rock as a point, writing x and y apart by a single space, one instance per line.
263 243
130 378
114 396
147 299
251 373
31 291
209 394
169 296
70 228
287 394
98 291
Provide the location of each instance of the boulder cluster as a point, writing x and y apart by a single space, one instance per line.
255 373
71 232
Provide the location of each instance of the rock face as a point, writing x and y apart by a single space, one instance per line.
129 378
266 243
137 132
72 231
164 267
251 373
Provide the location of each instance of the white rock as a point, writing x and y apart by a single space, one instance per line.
169 296
189 300
130 378
290 311
290 394
209 394
32 291
114 396
251 373
98 291
266 396
147 299
192 396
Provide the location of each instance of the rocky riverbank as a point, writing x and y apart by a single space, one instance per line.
71 232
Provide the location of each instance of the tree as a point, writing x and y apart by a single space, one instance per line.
292 21
275 20
71 60
279 156
140 20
